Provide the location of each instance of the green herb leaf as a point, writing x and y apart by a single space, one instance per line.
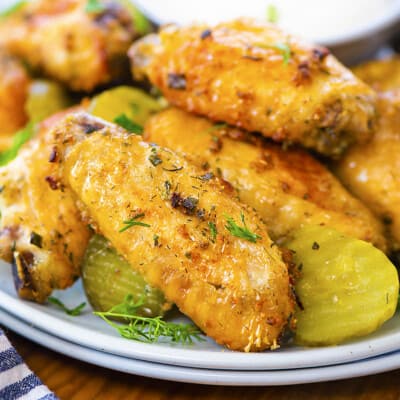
126 123
94 6
272 14
140 22
134 222
283 48
13 9
19 138
74 312
213 231
240 231
145 329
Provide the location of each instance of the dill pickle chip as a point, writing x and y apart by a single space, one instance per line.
347 288
108 279
44 99
126 101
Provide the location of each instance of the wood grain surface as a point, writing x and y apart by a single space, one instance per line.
74 380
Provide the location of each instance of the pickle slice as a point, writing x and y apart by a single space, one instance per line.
347 288
124 100
108 279
45 98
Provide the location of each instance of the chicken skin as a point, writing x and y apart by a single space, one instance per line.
212 257
14 87
67 41
256 77
288 188
41 232
372 171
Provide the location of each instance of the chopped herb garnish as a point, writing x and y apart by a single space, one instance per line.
216 127
240 231
145 329
128 124
134 222
141 23
272 14
36 239
74 312
13 9
213 231
283 48
18 140
94 6
155 240
155 159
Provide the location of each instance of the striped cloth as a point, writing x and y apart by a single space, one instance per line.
17 381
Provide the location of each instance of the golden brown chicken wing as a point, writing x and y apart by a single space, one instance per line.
372 171
14 86
256 77
212 255
41 231
287 188
382 75
80 46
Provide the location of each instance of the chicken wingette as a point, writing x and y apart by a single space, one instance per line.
14 87
70 41
208 253
372 171
256 77
288 188
41 229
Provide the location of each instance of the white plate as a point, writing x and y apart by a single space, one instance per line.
90 331
203 376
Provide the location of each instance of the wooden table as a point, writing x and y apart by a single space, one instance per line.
75 380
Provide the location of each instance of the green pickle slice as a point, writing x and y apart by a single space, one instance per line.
347 288
108 279
124 100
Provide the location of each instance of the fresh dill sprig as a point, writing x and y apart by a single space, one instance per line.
240 231
94 6
146 329
283 48
74 312
134 222
131 126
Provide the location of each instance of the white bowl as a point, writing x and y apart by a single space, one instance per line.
351 46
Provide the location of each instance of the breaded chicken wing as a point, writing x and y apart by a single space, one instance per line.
212 257
382 75
372 171
41 231
288 188
256 77
14 86
69 42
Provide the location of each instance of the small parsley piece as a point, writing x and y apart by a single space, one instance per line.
94 6
145 329
213 231
21 137
125 122
133 222
74 312
155 240
141 23
240 231
272 14
283 48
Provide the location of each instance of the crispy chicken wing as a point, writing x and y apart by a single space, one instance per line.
258 78
41 232
287 188
212 256
67 42
372 171
14 85
382 75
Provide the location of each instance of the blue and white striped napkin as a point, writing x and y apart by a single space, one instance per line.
17 381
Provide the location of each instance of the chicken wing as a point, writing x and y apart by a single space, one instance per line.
372 171
256 77
41 231
14 86
382 75
288 188
68 41
212 256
